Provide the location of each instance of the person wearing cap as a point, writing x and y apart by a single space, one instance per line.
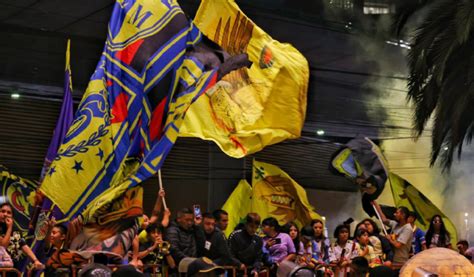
246 246
418 242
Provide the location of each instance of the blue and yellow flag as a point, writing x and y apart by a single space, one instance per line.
130 114
19 192
254 107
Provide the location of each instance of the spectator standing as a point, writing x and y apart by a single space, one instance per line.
437 235
419 242
401 236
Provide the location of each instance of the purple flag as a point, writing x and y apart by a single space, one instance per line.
64 121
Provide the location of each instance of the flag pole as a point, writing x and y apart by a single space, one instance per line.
160 182
380 219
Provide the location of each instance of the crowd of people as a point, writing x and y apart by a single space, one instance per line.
255 245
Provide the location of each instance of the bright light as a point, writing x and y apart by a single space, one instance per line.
320 132
445 148
15 95
323 218
466 214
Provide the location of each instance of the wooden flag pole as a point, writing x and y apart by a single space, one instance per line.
380 219
160 182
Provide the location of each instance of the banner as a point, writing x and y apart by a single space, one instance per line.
243 113
130 114
362 161
276 194
405 194
65 117
238 205
20 193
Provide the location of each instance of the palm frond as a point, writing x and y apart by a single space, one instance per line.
441 79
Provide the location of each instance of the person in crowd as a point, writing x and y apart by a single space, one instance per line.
142 236
401 236
54 243
277 246
463 249
211 242
359 266
246 246
155 250
342 251
12 241
222 219
312 256
381 244
437 235
322 243
181 235
419 242
292 230
365 248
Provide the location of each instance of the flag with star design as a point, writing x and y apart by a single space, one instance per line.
130 114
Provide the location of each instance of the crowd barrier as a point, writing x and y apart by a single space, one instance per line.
5 270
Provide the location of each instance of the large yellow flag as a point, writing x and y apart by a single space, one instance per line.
251 107
238 205
276 194
405 194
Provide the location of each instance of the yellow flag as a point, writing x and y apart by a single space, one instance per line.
405 194
276 194
238 205
252 107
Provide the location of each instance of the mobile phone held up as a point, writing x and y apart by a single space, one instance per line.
277 240
197 211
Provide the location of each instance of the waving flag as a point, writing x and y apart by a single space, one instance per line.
153 66
405 194
20 193
65 117
255 107
362 161
238 205
276 194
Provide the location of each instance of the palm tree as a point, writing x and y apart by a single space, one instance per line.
441 72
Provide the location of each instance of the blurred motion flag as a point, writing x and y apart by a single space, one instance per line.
19 192
238 205
362 161
130 114
249 108
65 117
276 194
405 194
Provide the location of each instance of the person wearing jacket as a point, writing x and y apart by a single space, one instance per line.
246 246
181 236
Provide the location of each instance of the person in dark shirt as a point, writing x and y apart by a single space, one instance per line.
222 219
181 235
211 242
246 246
